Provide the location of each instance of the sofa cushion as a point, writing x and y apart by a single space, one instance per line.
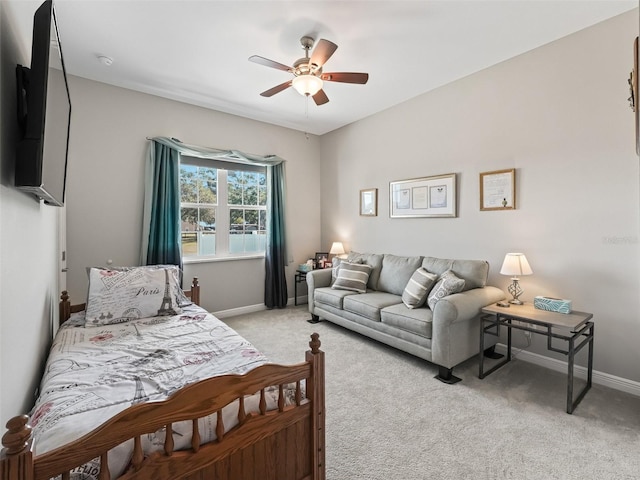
448 284
417 320
330 296
418 287
372 259
396 272
369 305
352 276
473 272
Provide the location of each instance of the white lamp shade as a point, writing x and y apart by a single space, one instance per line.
515 264
336 249
307 84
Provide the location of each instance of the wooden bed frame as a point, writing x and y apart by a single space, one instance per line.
283 444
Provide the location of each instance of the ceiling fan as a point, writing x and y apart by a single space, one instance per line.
308 76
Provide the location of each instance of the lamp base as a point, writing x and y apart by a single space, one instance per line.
515 290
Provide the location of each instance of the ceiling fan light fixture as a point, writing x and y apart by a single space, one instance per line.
307 85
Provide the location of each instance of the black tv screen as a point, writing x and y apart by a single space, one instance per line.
44 113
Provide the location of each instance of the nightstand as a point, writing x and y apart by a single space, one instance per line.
301 276
575 328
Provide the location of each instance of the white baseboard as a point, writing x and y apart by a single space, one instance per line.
605 379
232 312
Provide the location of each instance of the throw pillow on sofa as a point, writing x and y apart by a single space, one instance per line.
335 266
448 284
418 287
352 276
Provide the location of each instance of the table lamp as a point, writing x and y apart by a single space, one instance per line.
515 264
337 249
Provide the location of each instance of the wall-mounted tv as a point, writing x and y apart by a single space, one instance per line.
44 113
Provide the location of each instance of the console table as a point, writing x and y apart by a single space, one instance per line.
575 328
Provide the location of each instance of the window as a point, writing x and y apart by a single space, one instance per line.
223 208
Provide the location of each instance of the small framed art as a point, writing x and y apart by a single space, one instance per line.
498 190
369 202
633 98
322 258
423 197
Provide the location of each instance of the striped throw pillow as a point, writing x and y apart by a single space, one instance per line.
418 287
352 276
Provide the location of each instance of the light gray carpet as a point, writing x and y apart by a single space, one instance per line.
388 418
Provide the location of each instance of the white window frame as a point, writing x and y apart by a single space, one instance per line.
222 209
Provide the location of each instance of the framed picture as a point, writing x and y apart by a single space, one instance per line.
423 197
498 190
633 97
369 202
322 258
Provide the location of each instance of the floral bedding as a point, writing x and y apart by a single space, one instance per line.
93 373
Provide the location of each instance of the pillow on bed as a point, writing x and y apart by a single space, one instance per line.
352 276
183 300
448 284
117 296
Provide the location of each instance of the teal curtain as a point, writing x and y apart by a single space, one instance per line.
161 240
162 209
275 287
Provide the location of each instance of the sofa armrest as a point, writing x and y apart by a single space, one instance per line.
466 305
456 330
317 279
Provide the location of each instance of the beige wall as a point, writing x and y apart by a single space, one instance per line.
559 115
28 251
105 184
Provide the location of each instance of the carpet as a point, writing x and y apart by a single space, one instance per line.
387 418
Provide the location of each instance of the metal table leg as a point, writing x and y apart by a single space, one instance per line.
588 339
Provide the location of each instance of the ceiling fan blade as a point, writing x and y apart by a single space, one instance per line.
346 77
276 89
324 49
269 63
320 98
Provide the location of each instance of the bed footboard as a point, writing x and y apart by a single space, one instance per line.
282 444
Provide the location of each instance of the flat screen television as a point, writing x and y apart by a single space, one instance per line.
44 113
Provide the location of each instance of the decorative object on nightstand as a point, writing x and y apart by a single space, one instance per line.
321 259
305 267
337 249
550 304
516 265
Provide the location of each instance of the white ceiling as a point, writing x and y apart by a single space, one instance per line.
197 51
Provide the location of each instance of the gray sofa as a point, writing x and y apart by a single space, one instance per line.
446 336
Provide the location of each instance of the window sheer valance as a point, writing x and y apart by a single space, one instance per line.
235 156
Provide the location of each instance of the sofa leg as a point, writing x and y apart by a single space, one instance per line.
314 319
446 375
491 353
